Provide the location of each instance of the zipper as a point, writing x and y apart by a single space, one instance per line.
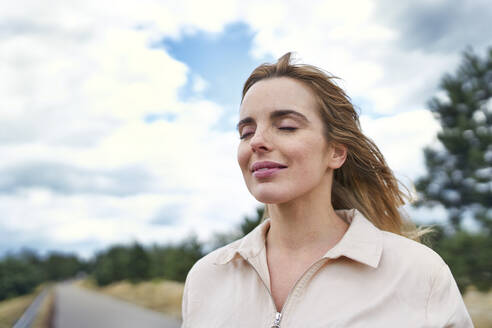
278 315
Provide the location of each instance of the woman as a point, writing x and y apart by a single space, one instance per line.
335 251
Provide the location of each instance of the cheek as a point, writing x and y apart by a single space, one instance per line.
310 157
242 157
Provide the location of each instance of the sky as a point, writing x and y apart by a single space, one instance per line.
117 122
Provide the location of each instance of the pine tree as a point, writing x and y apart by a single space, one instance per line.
460 169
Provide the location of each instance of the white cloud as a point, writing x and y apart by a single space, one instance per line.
79 77
199 84
131 79
401 138
426 215
339 37
77 83
350 40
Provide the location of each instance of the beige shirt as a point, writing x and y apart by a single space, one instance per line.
370 278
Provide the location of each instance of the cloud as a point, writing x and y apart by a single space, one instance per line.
65 179
426 215
222 59
401 138
44 220
98 144
168 215
83 166
72 83
366 43
438 26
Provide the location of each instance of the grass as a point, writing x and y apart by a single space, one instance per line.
479 306
159 295
44 319
12 309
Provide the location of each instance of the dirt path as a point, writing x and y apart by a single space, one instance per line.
76 307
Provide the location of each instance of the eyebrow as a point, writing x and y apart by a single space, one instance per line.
274 115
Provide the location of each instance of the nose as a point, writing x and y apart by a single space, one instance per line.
259 142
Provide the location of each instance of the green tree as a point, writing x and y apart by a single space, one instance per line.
59 266
18 277
467 254
139 263
20 273
460 170
250 223
112 265
174 261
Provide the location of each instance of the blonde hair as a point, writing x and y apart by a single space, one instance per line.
364 182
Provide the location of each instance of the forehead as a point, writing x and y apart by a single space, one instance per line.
278 93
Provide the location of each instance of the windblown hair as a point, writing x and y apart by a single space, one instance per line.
364 182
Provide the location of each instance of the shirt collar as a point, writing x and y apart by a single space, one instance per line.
249 246
362 242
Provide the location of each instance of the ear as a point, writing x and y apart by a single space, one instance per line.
337 155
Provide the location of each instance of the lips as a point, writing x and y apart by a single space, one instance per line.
266 169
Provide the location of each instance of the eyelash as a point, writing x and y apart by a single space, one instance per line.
285 128
244 136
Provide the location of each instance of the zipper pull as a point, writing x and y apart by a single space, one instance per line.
276 322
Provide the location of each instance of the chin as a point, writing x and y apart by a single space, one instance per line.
263 195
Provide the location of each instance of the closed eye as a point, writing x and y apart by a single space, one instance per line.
288 128
245 135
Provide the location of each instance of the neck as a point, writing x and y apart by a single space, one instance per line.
305 224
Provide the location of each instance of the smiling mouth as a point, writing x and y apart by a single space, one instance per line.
266 165
263 169
266 172
266 169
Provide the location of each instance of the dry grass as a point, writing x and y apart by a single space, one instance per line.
44 319
12 309
160 295
480 307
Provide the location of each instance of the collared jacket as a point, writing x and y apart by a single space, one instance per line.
370 278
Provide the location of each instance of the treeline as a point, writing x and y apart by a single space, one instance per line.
173 261
136 263
468 255
22 272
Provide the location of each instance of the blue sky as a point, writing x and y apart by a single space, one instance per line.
112 134
222 60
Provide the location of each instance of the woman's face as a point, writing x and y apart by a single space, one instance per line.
283 154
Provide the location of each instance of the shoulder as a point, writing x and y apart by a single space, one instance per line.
424 280
410 258
246 247
403 249
208 266
203 280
